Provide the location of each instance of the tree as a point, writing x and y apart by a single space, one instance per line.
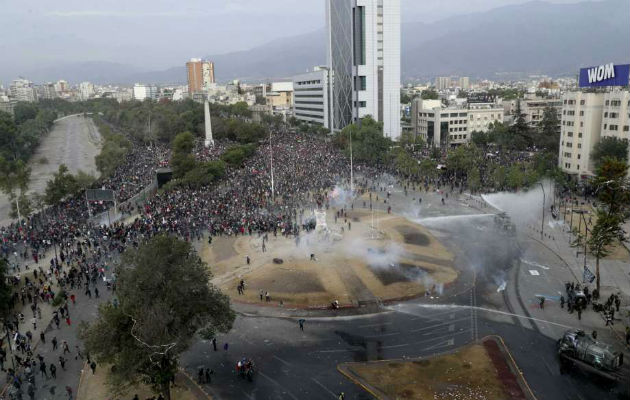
62 185
607 231
182 159
368 142
429 94
24 111
611 147
14 176
520 131
8 136
236 155
204 174
6 292
549 131
165 298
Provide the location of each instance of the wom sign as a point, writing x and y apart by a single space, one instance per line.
605 75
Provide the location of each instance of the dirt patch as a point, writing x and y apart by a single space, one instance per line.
398 273
413 236
291 281
510 383
467 374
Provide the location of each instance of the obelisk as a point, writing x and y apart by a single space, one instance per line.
209 141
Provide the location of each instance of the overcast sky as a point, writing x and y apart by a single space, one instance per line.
157 34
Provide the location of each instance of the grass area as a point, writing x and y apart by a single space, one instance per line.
466 374
94 387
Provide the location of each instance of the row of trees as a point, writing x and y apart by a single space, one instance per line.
21 134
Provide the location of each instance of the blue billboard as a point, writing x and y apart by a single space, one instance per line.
605 75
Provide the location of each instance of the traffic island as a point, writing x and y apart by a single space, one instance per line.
359 259
482 370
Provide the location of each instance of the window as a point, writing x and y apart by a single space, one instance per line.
360 83
570 134
581 124
582 102
579 156
579 145
578 166
605 126
613 127
625 128
569 144
580 135
606 115
581 113
607 102
614 115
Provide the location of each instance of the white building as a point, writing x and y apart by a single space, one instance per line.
441 126
310 97
86 90
464 82
23 90
580 130
532 108
142 92
442 82
364 62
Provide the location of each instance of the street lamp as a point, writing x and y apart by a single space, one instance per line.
542 224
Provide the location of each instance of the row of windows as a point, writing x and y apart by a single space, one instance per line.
297 114
459 136
302 96
460 129
321 103
315 89
316 82
613 127
309 109
570 134
568 166
570 144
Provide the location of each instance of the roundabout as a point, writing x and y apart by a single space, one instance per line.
359 257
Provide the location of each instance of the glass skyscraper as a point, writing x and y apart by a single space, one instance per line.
364 62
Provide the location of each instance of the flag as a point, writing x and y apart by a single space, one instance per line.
588 276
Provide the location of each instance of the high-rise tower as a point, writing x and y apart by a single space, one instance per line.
364 62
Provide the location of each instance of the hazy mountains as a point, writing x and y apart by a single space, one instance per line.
535 37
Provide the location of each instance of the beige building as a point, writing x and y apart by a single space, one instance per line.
616 117
580 130
451 126
200 75
532 108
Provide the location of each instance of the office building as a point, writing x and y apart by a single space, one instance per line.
143 92
310 97
86 90
23 90
442 82
532 108
464 82
580 130
200 75
364 62
6 104
441 126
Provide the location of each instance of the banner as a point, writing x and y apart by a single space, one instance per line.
588 276
605 75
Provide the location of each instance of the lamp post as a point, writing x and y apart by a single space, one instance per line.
542 224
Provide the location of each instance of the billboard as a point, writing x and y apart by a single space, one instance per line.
605 75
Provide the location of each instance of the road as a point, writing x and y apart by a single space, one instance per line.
73 141
297 365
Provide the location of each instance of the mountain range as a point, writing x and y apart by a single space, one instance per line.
530 38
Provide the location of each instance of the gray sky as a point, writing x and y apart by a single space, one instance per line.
157 34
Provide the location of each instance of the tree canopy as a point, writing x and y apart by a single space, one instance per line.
611 147
165 298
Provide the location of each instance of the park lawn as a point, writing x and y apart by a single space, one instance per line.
466 374
94 387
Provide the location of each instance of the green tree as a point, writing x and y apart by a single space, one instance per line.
236 155
607 231
612 186
8 136
62 184
429 94
165 298
428 168
548 132
14 179
520 131
611 147
204 174
368 142
6 292
24 111
182 160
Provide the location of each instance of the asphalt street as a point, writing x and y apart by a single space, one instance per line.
73 141
291 364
